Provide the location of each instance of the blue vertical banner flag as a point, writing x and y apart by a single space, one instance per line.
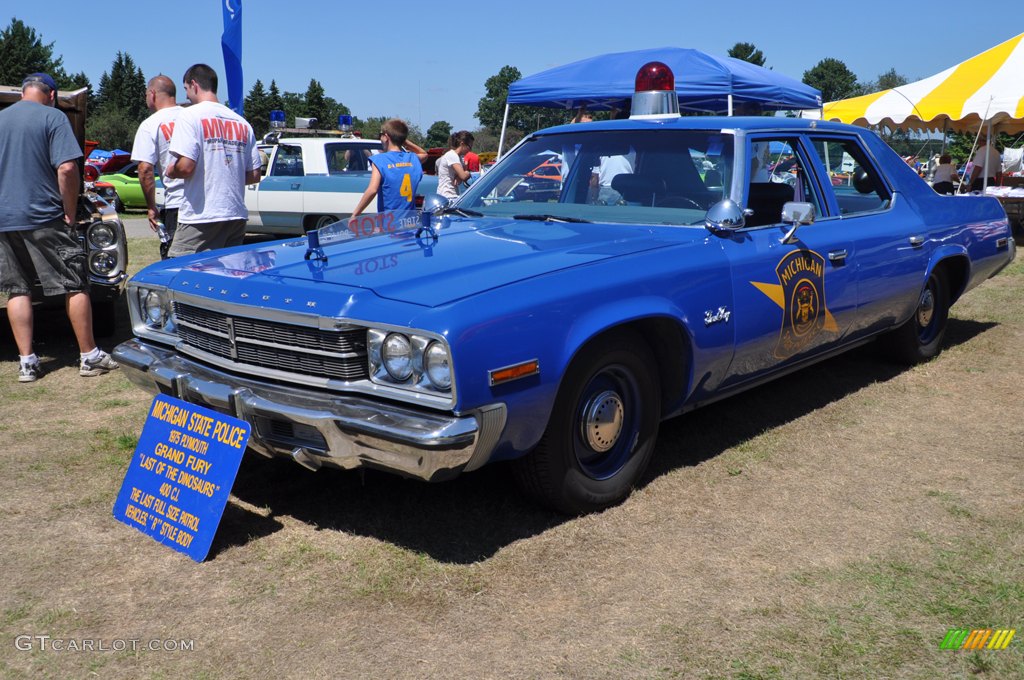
231 43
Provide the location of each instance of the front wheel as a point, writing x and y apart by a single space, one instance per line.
920 338
602 431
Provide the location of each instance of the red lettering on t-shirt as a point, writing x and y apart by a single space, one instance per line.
209 127
167 129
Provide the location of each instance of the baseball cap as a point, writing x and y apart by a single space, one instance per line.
42 79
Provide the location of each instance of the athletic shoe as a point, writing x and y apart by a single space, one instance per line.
98 366
29 373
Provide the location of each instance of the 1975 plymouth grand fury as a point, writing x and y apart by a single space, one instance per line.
559 326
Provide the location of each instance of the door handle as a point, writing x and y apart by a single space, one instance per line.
837 255
296 185
917 241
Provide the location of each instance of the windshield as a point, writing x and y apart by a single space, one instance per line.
629 176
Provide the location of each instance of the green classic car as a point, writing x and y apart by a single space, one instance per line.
123 190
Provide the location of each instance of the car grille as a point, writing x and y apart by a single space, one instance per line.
303 350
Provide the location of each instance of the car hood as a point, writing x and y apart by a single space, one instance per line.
466 258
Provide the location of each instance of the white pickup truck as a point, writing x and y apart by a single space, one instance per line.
310 182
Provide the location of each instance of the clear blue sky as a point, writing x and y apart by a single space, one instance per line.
427 61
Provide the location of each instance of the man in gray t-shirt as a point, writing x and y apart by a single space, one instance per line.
39 187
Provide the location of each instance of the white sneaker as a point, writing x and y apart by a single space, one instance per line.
29 373
99 366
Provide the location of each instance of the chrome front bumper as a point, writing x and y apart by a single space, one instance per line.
315 428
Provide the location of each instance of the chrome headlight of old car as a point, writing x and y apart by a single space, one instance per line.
409 360
151 309
101 235
396 354
438 365
107 253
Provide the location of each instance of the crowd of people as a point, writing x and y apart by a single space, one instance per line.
984 169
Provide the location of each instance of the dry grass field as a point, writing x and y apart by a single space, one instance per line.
834 524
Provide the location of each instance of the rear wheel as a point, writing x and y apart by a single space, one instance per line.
920 338
320 221
602 430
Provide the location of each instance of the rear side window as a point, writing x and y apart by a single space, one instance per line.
349 157
858 186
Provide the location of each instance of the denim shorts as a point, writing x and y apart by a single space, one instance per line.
49 253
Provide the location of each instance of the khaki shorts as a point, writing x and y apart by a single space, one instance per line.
196 238
50 253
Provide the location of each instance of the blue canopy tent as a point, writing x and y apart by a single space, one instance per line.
704 83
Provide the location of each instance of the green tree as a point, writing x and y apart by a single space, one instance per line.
22 52
257 109
889 80
274 100
747 52
123 90
438 134
491 107
833 78
316 105
113 129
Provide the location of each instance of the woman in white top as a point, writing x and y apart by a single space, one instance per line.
450 171
945 173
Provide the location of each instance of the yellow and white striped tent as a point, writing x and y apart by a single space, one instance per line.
986 88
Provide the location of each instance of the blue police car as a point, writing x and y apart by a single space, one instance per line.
669 262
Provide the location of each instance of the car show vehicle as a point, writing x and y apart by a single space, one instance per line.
123 190
98 227
310 182
557 329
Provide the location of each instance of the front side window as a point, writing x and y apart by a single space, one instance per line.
858 186
778 175
628 176
287 162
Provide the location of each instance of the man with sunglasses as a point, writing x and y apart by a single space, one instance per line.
394 174
214 150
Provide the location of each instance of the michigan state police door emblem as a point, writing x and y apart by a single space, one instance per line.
801 295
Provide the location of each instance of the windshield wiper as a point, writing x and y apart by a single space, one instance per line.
550 218
465 212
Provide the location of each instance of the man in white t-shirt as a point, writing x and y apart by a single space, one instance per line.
214 151
152 151
987 166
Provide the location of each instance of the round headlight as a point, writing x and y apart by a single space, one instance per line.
102 263
438 366
397 355
102 235
153 308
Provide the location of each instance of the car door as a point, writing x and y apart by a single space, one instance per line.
793 298
892 247
279 196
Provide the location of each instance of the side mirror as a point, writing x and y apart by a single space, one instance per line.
724 217
796 213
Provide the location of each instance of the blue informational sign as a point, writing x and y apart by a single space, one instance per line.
184 467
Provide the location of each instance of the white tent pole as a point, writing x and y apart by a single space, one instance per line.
988 145
730 103
504 123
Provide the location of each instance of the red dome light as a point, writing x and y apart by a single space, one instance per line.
655 76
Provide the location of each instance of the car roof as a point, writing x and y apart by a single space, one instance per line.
746 123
